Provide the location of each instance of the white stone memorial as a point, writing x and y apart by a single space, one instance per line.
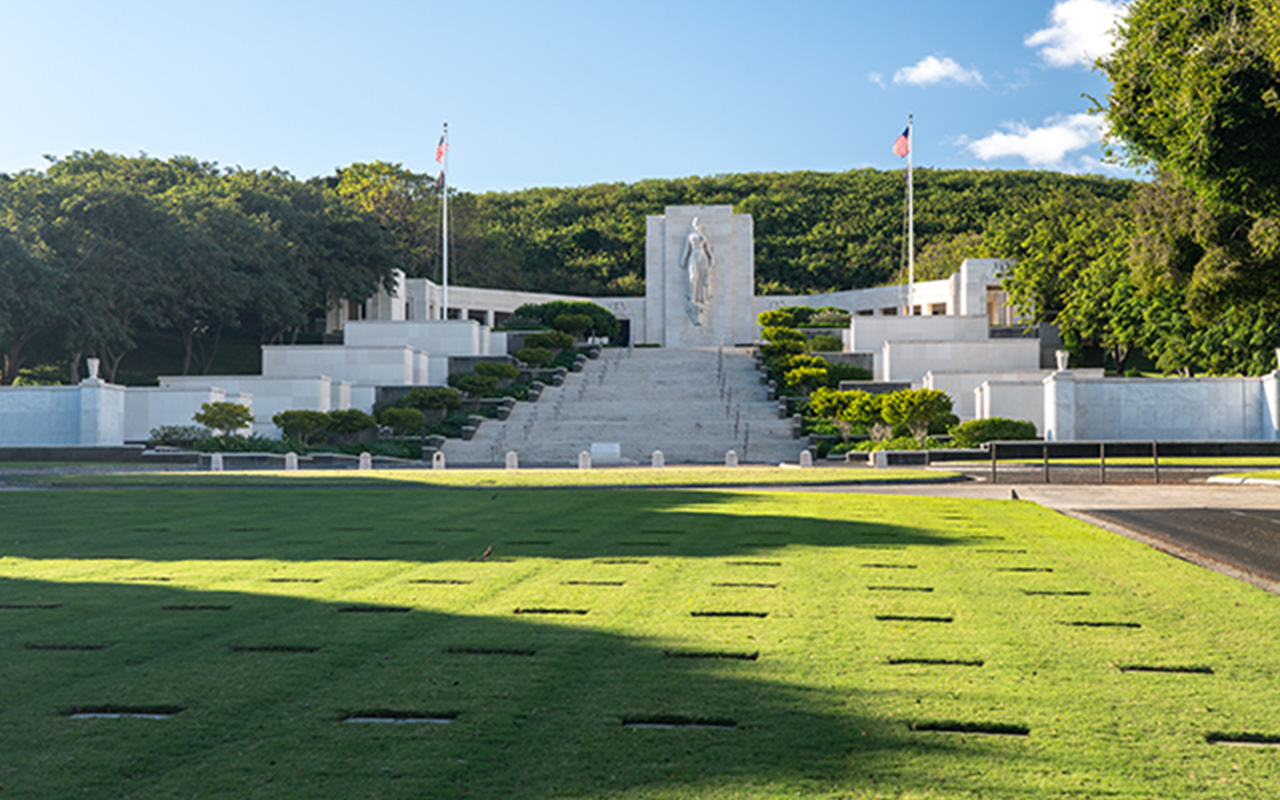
699 277
659 460
366 461
806 458
513 460
731 458
291 461
215 462
584 460
437 460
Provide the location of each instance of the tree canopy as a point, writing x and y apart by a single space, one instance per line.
1194 91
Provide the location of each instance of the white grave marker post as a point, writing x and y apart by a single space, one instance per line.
215 462
659 460
584 460
437 460
806 458
513 460
291 462
366 461
731 458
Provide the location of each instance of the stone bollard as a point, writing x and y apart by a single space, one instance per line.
366 461
731 458
513 460
215 462
437 460
584 460
806 458
291 462
659 460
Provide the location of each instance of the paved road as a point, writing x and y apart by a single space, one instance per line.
1232 529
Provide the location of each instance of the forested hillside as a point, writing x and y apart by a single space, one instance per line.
814 232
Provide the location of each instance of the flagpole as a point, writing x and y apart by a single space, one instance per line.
911 220
444 215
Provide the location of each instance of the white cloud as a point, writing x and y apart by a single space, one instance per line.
1082 31
1043 146
932 69
876 78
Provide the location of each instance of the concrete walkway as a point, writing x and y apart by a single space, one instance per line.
692 404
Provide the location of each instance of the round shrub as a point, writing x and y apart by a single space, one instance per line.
573 323
775 334
473 384
302 425
552 340
403 421
826 344
425 398
534 356
994 429
350 420
223 416
497 369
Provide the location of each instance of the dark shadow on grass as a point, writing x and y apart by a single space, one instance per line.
265 685
308 525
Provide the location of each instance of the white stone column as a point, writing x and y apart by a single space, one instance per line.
1060 407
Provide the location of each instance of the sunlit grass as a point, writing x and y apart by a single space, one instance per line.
257 613
607 476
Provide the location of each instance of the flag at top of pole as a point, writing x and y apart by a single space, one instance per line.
900 148
442 148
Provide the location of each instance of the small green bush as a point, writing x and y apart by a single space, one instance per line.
823 343
788 347
846 372
426 398
805 379
302 426
223 416
977 431
349 420
552 340
534 356
177 435
829 317
497 369
403 421
775 334
473 384
579 324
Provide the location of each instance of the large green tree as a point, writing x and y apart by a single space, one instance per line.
1196 92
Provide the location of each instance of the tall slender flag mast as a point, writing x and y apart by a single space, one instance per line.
902 148
442 158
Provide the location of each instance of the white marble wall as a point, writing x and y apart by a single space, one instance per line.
1107 409
909 361
147 407
869 334
391 365
91 413
270 395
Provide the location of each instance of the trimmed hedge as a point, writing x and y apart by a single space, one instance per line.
975 432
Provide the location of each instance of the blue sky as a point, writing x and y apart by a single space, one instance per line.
556 93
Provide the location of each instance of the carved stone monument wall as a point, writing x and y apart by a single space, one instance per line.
699 277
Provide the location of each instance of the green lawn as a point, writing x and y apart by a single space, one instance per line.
269 615
471 478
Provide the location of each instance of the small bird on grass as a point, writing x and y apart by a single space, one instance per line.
1013 494
488 551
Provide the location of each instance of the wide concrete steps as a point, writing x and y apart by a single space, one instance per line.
694 405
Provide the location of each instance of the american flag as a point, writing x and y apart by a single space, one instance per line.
900 148
441 149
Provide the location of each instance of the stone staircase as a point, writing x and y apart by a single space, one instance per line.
692 404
